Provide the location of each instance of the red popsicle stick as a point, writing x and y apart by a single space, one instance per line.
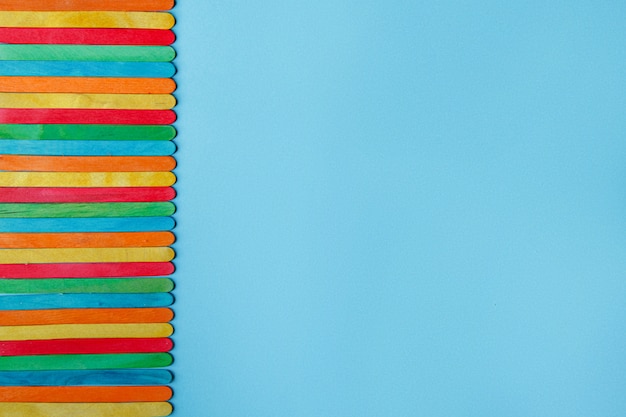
87 270
84 346
85 195
87 116
155 37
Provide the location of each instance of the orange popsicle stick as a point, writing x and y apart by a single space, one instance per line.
87 163
85 394
84 240
85 316
102 85
104 5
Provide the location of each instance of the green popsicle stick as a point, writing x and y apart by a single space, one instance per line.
17 52
86 132
72 362
96 285
58 210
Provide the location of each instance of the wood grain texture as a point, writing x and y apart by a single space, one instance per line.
85 195
19 52
74 301
77 210
147 409
89 148
69 36
84 346
88 316
95 225
87 69
87 116
85 255
85 285
87 101
86 163
86 19
86 378
12 84
84 394
86 132
86 179
86 331
85 240
69 5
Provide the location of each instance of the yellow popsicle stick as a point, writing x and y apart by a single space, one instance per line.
108 20
86 179
81 255
87 101
147 409
85 331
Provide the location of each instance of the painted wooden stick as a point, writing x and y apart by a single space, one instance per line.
87 101
70 5
86 378
85 255
53 301
83 362
87 116
85 331
88 180
147 409
69 36
85 285
85 195
18 394
86 148
111 224
86 132
55 210
88 316
87 69
87 85
86 163
85 240
19 52
86 19
85 346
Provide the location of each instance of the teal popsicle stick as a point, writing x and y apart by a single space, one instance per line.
81 210
87 148
86 285
87 132
69 225
79 362
18 52
87 69
122 377
108 300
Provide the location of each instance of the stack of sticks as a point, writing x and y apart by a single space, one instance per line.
85 207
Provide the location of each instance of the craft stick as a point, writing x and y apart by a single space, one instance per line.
89 180
69 36
87 101
85 255
86 163
19 52
84 362
60 301
86 316
86 148
85 285
87 116
87 132
35 210
87 69
86 19
86 270
85 331
70 5
85 240
85 346
111 224
85 195
86 378
17 394
13 84
145 409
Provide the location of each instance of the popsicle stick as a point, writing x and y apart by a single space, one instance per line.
85 285
87 116
12 84
89 180
69 36
112 224
18 52
69 5
87 101
50 210
87 69
87 270
85 346
85 362
86 19
85 195
86 316
86 148
86 378
85 240
86 163
18 394
86 132
85 255
146 409
85 331
60 301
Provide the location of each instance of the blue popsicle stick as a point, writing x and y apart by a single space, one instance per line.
87 148
144 377
59 301
87 69
77 225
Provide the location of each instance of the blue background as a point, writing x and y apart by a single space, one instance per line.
401 208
